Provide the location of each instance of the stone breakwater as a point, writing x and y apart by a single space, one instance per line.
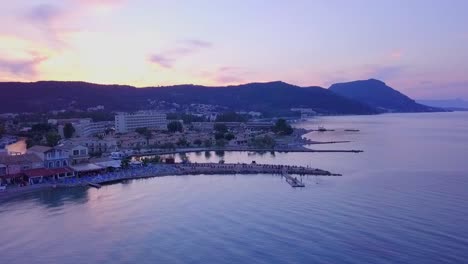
160 170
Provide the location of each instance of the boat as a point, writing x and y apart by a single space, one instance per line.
351 130
321 129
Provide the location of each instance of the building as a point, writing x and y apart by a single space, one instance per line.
128 122
78 153
13 164
51 157
95 145
84 127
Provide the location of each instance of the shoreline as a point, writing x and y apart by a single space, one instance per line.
165 170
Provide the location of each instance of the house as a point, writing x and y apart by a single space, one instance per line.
13 166
51 157
78 153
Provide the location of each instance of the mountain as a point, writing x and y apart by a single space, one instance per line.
265 97
377 94
451 104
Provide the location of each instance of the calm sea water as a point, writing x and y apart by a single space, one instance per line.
404 200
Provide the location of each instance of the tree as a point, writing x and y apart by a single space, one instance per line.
221 128
197 142
220 143
52 139
144 131
219 135
174 126
182 142
282 127
2 129
231 117
263 142
125 163
68 130
208 143
229 136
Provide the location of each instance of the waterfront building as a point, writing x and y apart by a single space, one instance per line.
14 164
128 122
51 157
95 145
78 153
84 127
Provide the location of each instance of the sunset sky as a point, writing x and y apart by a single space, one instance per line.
419 47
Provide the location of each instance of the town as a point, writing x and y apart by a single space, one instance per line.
63 146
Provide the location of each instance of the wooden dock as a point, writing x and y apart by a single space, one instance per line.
95 185
293 181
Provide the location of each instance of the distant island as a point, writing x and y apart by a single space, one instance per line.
271 98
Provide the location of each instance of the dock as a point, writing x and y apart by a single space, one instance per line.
95 185
293 181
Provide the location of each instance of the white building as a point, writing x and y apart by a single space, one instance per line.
126 122
85 127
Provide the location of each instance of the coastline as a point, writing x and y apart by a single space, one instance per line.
164 170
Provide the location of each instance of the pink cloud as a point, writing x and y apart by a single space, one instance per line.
182 49
21 67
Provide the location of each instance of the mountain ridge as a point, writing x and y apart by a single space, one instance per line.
259 96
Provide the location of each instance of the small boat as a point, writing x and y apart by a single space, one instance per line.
352 130
321 129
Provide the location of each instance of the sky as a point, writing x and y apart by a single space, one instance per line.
419 47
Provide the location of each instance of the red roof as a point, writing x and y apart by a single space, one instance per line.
39 172
61 170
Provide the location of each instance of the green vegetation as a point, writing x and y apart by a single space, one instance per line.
282 128
186 118
218 136
221 128
197 142
229 136
68 130
175 126
52 139
125 163
2 129
183 142
231 117
207 143
220 143
263 142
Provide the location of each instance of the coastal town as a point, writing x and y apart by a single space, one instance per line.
68 151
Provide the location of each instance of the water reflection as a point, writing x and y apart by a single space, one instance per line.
51 198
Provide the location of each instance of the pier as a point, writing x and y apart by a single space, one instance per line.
234 149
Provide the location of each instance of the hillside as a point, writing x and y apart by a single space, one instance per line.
265 97
377 94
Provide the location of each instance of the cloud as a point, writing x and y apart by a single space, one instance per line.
161 60
44 14
182 49
396 55
21 67
101 2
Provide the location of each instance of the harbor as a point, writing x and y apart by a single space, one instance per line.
179 169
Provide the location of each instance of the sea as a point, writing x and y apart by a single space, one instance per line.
403 200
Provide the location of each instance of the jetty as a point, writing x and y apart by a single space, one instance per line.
95 185
242 149
293 181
